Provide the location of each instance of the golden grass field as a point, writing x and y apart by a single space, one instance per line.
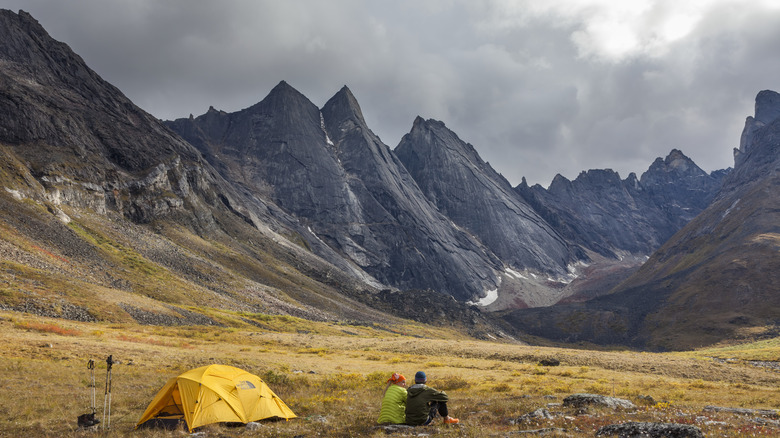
332 375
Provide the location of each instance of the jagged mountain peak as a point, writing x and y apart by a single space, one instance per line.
430 137
676 165
767 106
678 160
285 92
434 126
22 23
343 106
559 183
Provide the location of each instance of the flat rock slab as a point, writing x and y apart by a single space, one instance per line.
650 430
741 411
582 400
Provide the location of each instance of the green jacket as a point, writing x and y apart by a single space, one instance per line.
418 399
393 405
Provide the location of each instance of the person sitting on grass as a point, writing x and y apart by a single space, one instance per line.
393 401
424 402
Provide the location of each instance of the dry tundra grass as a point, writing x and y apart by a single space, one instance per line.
332 376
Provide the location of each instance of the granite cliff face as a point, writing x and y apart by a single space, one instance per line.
468 191
327 168
713 280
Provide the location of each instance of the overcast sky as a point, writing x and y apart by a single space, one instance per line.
538 87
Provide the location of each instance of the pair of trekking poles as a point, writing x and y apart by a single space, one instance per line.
89 420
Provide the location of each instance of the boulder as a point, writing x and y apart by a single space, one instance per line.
650 430
582 400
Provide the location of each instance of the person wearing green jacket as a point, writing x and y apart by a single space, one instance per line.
424 402
393 401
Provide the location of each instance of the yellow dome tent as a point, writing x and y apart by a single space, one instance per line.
214 394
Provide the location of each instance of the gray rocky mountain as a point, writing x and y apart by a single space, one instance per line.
327 168
611 216
715 279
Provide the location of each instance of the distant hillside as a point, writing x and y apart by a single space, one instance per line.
714 280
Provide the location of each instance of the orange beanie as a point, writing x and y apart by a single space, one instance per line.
396 378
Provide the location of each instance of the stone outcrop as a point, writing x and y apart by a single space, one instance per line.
650 430
584 400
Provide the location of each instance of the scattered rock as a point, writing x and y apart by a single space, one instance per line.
582 400
544 431
646 400
552 362
651 430
540 413
759 412
765 422
394 428
253 425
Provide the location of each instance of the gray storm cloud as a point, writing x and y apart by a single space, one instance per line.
537 88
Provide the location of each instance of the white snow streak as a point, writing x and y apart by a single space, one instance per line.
492 295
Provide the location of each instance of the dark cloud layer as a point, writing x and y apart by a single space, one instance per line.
538 88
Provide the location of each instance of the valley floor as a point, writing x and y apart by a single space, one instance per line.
332 376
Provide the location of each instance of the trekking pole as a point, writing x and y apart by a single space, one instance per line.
91 367
107 397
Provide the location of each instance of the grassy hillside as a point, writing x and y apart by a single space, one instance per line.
725 265
332 375
104 268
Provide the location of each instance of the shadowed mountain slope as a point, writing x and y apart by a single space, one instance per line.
474 196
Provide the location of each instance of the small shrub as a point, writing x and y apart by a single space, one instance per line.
318 351
271 377
378 377
699 383
343 381
452 382
501 387
47 328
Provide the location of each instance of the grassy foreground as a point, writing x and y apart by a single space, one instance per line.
332 376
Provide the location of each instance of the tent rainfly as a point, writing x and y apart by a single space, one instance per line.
214 394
